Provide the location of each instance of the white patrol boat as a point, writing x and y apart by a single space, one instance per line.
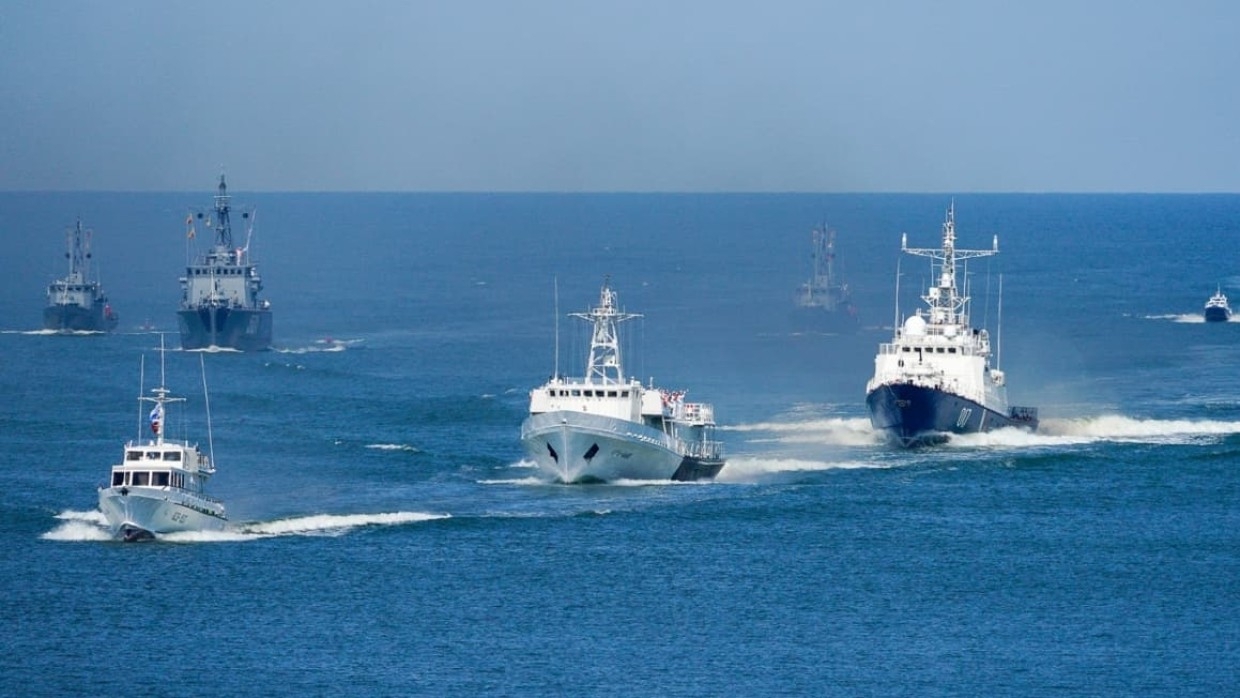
606 426
1217 309
934 378
158 487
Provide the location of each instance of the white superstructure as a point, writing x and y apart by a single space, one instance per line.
608 426
158 487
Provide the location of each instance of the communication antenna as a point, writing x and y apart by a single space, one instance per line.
556 306
206 399
999 334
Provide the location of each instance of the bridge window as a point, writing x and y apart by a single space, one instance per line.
160 478
141 479
172 455
133 455
118 478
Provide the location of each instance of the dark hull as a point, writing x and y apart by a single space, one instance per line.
697 469
910 415
1217 315
75 318
226 328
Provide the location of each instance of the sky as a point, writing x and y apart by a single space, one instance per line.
635 96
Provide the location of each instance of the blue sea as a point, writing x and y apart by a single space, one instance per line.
388 538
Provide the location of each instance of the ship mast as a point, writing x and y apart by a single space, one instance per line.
223 229
158 414
947 305
604 348
78 253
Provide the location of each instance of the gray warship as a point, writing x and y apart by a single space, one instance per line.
77 303
824 303
219 301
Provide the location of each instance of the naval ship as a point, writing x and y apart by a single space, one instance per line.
219 301
934 378
824 303
77 303
158 487
607 426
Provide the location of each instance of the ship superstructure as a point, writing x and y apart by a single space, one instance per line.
935 377
220 304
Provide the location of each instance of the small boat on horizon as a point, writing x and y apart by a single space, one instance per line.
935 378
606 426
76 302
1216 309
159 485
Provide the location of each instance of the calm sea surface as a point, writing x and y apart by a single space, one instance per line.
389 540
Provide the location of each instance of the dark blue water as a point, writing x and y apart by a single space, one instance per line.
388 539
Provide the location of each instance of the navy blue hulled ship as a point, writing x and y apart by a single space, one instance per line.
824 303
219 302
77 303
1216 309
934 378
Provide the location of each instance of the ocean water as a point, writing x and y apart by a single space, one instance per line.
388 539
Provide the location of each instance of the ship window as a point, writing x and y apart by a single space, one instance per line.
160 479
951 350
907 349
118 478
133 455
939 350
611 393
624 393
588 393
152 455
140 479
172 455
576 392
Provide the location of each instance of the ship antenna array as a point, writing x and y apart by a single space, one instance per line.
556 310
999 333
206 399
141 390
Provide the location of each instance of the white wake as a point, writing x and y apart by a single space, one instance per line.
92 526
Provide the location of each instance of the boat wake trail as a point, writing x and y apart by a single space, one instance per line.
323 346
1188 318
92 526
834 431
1103 428
394 447
52 333
79 526
751 469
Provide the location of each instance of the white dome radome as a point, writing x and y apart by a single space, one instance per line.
915 326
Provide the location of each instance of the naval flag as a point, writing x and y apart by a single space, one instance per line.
157 418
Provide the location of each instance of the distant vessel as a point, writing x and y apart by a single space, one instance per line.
934 378
606 426
77 303
219 302
824 302
1217 309
159 486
